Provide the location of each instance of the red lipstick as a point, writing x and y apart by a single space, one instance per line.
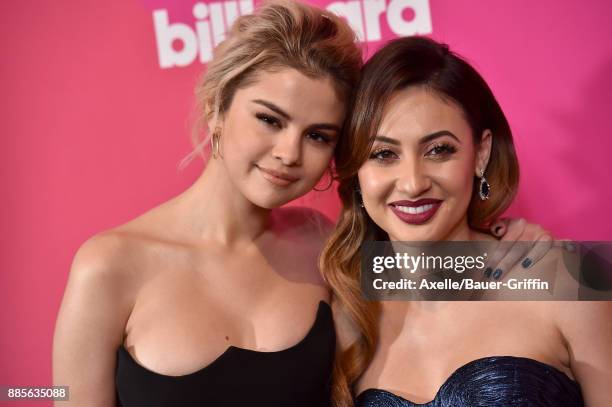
415 212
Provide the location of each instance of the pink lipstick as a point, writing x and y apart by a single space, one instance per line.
278 178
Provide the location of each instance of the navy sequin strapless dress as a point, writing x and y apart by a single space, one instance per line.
498 381
298 376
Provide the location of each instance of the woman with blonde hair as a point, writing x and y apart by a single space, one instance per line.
428 156
214 297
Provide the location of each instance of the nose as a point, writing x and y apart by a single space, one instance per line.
413 178
288 148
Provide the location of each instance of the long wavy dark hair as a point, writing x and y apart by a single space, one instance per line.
403 63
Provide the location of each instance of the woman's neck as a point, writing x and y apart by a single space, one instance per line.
218 211
461 232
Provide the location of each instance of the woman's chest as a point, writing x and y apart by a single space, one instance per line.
421 347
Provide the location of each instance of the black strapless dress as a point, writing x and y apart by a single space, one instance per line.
298 376
497 381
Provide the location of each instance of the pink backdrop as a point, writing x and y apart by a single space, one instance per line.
93 128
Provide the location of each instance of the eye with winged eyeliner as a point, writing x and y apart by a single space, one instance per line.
385 152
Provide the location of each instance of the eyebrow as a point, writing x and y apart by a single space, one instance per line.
385 139
325 126
423 140
436 135
273 107
286 116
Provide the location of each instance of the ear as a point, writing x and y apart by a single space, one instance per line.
214 122
483 152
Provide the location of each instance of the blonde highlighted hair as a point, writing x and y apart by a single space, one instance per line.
280 34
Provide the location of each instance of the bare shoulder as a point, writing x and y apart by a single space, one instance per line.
127 246
109 255
119 258
586 327
579 315
560 268
105 275
91 321
583 320
101 253
104 265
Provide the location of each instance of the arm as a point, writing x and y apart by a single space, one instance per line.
90 325
587 328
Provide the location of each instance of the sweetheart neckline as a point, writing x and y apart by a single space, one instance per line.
465 366
229 349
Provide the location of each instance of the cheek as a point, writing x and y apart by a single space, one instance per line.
243 135
242 146
316 161
456 179
375 184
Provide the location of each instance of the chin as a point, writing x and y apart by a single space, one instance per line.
416 233
416 237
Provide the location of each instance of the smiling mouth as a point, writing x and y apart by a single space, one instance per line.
414 210
415 213
276 177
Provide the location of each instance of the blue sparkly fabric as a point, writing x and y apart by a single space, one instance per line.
500 381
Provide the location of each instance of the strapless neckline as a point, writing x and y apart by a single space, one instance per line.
515 360
230 350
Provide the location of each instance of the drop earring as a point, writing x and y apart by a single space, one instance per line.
484 189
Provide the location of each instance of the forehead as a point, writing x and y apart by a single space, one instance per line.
418 111
305 99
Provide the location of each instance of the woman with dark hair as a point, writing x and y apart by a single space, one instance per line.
429 156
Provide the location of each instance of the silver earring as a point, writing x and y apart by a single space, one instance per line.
484 189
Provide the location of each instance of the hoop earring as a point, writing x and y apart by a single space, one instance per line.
484 189
214 144
331 181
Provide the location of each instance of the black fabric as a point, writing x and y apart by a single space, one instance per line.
497 381
297 376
